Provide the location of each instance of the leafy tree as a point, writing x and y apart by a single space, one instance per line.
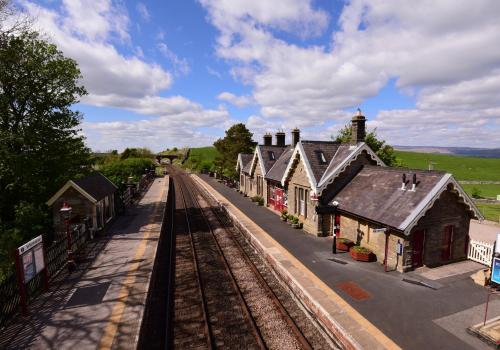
40 143
238 139
476 193
384 152
120 170
137 153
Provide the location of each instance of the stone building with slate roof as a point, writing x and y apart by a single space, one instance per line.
346 185
91 197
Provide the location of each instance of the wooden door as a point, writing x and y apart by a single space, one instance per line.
447 243
278 199
418 248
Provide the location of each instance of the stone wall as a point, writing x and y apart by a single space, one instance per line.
361 232
81 208
299 180
447 210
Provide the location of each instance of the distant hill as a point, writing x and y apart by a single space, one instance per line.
459 151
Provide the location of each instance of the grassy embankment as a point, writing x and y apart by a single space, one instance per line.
201 158
463 169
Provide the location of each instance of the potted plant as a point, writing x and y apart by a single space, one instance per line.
359 253
284 215
295 222
260 201
290 218
344 244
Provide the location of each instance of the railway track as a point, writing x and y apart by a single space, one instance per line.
221 297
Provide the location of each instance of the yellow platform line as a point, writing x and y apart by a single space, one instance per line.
353 313
117 312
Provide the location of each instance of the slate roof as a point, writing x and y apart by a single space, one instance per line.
245 159
375 194
96 185
246 169
327 148
267 161
278 169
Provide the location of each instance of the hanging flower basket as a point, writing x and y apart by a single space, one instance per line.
361 254
344 244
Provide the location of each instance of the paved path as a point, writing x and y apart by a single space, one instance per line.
99 306
415 317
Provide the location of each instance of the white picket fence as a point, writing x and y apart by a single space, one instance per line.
481 252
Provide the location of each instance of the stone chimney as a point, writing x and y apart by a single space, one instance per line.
280 139
295 136
268 140
358 127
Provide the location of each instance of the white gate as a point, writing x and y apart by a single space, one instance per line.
481 252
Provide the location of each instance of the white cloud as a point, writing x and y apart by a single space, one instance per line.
240 101
143 11
89 32
180 64
447 52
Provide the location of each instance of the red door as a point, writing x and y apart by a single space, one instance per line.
278 195
447 243
418 248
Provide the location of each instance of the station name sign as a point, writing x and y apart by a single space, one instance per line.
32 259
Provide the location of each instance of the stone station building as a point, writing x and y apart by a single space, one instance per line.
326 183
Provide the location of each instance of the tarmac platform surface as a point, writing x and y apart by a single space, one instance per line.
100 305
412 315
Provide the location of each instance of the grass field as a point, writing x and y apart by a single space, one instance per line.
486 190
490 211
463 168
200 158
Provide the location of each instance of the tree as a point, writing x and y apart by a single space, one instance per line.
383 151
238 139
137 153
40 142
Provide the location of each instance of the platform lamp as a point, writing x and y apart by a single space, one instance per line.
66 216
336 227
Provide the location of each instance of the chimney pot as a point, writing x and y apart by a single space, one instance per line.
295 136
414 184
280 139
358 127
268 140
403 185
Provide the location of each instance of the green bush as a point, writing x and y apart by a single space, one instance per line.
258 199
284 214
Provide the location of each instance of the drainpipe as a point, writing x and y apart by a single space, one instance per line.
386 249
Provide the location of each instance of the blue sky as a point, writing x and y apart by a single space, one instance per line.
178 73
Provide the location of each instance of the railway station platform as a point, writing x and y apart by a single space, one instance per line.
373 309
101 304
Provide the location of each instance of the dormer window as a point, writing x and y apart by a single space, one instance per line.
271 155
321 157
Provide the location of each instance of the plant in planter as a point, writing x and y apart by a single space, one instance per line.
258 200
295 222
284 215
344 244
361 253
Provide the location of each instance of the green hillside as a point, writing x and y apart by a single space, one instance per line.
201 158
463 168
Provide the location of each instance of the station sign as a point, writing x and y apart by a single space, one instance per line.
32 259
495 271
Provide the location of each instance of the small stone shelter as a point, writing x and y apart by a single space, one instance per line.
91 197
426 212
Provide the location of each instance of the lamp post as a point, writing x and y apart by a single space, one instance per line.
66 216
336 227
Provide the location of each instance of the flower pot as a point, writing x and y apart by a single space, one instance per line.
283 219
295 226
362 256
344 246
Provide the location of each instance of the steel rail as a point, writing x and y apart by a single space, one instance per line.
246 309
208 328
282 310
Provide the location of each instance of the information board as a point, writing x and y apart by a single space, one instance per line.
32 260
495 273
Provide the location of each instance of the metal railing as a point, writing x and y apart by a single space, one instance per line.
56 256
